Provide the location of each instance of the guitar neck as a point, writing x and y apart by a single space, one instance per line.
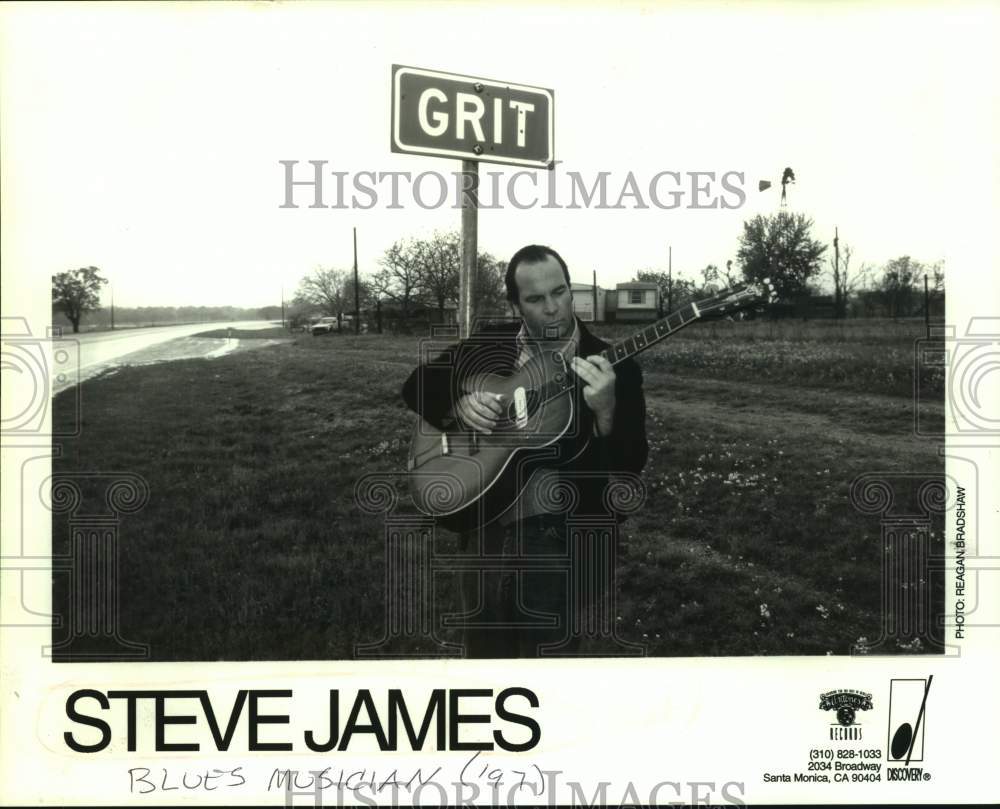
652 334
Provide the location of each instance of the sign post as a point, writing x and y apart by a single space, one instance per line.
476 120
470 248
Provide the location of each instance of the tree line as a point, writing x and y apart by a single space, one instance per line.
76 294
416 282
781 247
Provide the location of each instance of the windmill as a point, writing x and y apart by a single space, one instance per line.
787 176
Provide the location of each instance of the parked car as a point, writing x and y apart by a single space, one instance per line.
325 325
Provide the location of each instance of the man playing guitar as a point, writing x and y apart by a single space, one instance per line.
606 435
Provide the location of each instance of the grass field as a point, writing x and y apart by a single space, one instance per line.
251 546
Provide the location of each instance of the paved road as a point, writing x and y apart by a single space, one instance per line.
89 354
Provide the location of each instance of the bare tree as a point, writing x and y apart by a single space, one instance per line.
440 259
379 288
400 276
937 277
898 283
846 282
672 287
329 289
491 291
419 272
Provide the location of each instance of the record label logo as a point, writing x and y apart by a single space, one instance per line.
907 719
846 703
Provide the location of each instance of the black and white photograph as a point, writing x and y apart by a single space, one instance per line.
371 363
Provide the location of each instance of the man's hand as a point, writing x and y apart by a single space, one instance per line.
598 375
479 411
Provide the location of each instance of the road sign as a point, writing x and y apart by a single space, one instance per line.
447 115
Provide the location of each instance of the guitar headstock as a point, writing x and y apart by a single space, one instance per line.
735 299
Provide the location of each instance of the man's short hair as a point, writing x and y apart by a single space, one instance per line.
531 254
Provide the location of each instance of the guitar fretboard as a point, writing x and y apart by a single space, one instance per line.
724 303
652 334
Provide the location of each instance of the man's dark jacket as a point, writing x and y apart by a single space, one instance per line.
434 387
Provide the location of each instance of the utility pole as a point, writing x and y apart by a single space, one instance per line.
595 296
113 305
838 292
282 307
670 279
357 295
927 309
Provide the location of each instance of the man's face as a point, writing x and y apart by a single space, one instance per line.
544 298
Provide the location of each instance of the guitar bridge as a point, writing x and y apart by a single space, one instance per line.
445 446
520 409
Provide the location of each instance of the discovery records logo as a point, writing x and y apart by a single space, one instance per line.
907 729
846 703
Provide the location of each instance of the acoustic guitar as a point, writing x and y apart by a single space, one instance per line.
454 470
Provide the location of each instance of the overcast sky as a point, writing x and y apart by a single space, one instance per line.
146 139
